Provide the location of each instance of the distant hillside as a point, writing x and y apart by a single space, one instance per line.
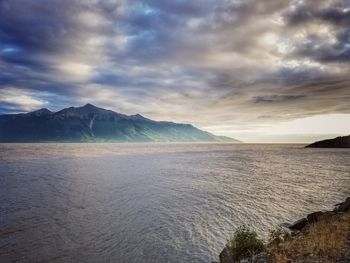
90 123
339 142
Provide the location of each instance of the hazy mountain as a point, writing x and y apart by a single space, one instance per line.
339 142
90 123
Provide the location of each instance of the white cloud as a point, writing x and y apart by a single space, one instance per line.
20 99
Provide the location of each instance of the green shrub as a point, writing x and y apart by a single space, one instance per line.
245 243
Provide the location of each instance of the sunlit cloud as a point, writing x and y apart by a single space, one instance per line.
20 100
231 67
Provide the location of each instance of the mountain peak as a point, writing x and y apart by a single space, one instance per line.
90 108
138 117
40 112
88 105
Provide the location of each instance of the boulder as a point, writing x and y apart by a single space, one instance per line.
328 214
299 225
314 217
285 227
344 206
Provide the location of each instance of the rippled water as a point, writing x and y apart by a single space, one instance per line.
155 202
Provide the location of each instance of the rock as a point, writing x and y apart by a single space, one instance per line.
299 225
344 206
328 214
226 256
314 217
285 227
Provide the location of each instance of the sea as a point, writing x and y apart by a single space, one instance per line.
155 202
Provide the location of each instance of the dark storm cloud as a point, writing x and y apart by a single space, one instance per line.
337 13
317 46
277 98
177 60
320 50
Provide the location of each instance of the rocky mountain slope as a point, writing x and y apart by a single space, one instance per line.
90 123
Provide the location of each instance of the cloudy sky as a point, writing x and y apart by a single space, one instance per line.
267 71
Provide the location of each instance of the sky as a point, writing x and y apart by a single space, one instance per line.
258 71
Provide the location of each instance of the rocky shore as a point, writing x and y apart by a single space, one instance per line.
322 236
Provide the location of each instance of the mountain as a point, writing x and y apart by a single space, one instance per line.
339 142
90 123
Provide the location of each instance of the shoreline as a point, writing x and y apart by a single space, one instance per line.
321 236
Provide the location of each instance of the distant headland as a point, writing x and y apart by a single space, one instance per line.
90 123
338 142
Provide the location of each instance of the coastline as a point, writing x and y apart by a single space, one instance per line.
321 236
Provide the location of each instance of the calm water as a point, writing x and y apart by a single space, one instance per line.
155 202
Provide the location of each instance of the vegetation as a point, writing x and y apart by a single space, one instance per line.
277 236
245 243
324 241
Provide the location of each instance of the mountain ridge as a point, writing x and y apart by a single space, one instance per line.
91 123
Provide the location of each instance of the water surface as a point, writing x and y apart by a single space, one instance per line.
155 202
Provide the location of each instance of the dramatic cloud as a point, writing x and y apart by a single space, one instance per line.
246 64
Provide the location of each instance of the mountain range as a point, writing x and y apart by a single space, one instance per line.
90 123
